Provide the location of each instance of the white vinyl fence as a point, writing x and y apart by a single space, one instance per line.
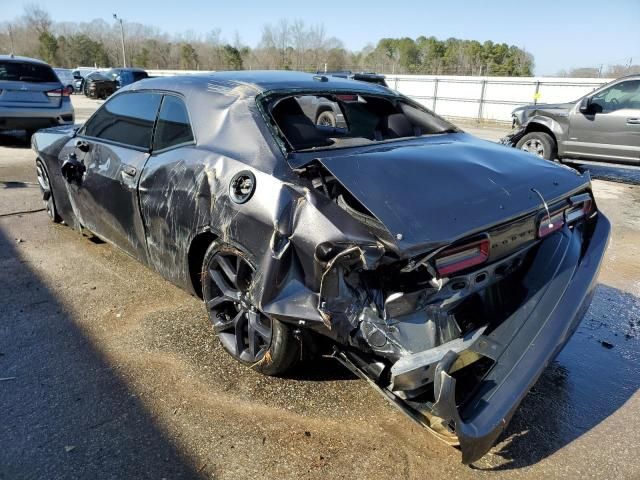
475 98
489 98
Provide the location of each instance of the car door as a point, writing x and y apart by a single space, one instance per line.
610 130
167 199
114 146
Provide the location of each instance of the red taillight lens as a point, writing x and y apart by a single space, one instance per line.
347 98
582 210
58 92
548 226
465 256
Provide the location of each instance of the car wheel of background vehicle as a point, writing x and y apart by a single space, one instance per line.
326 119
248 335
538 143
47 192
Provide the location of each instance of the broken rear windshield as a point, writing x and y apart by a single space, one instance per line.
339 120
26 72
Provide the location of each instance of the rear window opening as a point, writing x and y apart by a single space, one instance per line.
345 119
27 72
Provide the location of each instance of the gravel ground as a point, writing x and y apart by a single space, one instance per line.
108 371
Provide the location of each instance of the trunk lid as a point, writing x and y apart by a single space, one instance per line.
436 190
29 95
24 84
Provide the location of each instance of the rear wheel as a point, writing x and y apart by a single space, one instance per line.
539 143
47 192
247 334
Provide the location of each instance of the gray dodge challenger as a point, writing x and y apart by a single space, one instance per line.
446 271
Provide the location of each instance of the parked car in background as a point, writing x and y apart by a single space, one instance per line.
78 78
369 77
65 76
99 85
126 76
445 270
603 125
31 95
321 110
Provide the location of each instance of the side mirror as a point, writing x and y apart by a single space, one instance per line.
585 106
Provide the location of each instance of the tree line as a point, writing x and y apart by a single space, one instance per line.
287 44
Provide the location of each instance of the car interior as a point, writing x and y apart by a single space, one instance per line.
368 119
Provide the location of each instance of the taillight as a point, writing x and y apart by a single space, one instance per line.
58 92
580 208
465 256
549 225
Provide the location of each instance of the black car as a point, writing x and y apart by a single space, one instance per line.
445 270
99 85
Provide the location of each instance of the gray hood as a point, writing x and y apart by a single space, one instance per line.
439 189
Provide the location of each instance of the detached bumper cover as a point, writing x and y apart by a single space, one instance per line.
526 343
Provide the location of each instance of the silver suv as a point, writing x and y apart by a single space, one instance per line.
603 125
31 96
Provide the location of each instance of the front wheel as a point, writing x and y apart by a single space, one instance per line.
326 119
539 143
247 334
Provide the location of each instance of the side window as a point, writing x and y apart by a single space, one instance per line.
619 96
127 118
173 124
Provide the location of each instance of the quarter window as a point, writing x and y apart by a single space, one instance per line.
127 118
173 124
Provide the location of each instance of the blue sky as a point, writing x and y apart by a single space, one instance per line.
561 34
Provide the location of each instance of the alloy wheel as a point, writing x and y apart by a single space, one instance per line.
244 331
45 188
535 146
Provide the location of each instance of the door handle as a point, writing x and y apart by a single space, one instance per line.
633 121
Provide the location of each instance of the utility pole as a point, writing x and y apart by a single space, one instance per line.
11 39
124 54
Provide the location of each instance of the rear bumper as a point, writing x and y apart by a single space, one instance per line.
36 118
526 343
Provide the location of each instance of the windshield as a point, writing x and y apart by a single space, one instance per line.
26 72
338 120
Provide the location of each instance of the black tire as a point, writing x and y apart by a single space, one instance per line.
247 334
539 143
326 118
47 192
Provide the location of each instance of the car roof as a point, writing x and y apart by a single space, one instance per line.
17 58
128 69
257 81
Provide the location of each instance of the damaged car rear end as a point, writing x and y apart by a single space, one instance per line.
481 264
446 271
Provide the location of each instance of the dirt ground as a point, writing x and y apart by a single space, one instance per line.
108 371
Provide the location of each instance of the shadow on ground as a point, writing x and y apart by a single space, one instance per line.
14 139
613 173
66 413
595 374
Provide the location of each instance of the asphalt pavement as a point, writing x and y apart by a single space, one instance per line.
108 371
